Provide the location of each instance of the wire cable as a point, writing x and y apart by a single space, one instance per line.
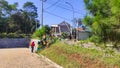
57 15
53 4
66 8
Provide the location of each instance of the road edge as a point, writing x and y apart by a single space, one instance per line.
47 59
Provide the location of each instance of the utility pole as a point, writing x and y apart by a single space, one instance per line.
42 10
41 13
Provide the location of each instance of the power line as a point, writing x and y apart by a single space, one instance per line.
66 8
53 4
63 4
57 15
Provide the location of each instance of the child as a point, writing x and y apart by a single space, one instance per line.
32 46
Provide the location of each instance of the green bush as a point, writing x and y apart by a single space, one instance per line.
95 39
3 35
40 32
14 35
64 35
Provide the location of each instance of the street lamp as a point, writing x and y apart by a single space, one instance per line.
73 12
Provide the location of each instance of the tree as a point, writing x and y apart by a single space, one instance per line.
30 15
14 20
100 15
5 13
104 18
31 9
88 20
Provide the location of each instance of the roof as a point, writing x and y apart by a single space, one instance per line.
64 26
64 23
85 30
79 29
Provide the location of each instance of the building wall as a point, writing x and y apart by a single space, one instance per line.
55 29
14 42
83 35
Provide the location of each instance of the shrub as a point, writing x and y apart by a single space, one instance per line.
14 35
40 32
3 35
95 39
64 35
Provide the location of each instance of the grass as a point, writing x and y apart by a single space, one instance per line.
80 57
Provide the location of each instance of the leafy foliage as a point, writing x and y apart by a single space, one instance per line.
104 18
14 20
40 32
88 20
95 39
14 35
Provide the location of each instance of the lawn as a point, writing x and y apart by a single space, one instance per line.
80 57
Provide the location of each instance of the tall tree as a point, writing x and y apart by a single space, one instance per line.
31 9
95 7
5 13
105 17
13 20
30 15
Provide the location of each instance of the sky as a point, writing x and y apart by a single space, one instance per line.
57 11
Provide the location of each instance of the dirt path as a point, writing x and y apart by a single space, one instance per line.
22 58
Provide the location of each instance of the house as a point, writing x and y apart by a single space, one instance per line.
82 34
60 28
65 27
55 29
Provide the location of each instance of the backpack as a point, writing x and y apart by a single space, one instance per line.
32 44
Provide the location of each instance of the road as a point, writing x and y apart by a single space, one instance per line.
22 58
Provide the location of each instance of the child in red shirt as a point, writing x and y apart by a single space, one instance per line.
32 46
